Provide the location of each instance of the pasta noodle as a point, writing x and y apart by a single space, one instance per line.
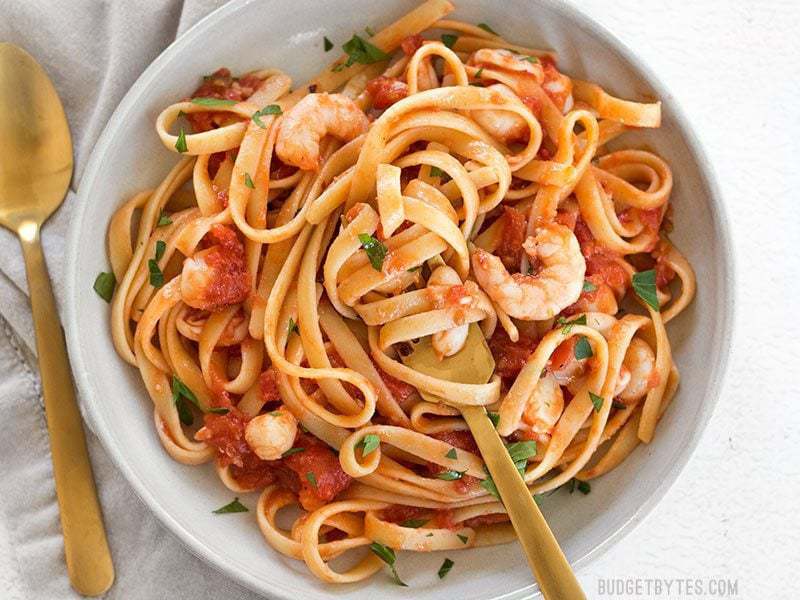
272 284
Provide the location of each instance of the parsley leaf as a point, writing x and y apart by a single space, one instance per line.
327 44
269 109
104 285
531 59
291 451
163 220
181 392
437 172
413 523
584 487
449 40
493 417
219 410
464 539
644 284
161 247
213 102
369 444
445 568
233 507
450 475
180 145
369 31
597 401
375 250
588 286
583 349
312 479
360 51
291 327
487 29
520 452
568 325
619 405
478 73
387 555
451 454
248 181
156 276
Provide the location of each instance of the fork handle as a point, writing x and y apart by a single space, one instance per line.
88 558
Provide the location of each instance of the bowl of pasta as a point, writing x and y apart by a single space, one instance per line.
266 229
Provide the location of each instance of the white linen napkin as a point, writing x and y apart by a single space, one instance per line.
93 50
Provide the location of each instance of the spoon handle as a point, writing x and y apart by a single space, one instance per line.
553 573
89 565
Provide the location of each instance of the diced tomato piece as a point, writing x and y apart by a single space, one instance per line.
269 386
397 513
510 356
401 390
223 86
533 103
411 44
563 354
319 473
385 91
513 234
556 85
567 218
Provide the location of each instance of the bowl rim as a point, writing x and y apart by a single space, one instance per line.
715 379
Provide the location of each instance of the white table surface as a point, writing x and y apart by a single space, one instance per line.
733 514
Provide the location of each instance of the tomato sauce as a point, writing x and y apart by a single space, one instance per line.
231 283
269 386
557 86
462 440
601 261
510 356
411 44
222 85
318 476
513 234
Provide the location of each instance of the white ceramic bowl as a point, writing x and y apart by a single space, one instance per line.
248 34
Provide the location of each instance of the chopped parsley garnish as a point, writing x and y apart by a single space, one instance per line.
369 444
156 276
478 73
375 250
387 555
413 523
312 479
450 475
213 102
583 349
493 417
451 454
219 410
445 568
104 285
566 326
369 31
248 181
437 172
531 59
619 405
487 29
584 487
464 539
180 145
520 452
269 109
163 220
597 401
161 247
291 451
588 286
644 284
489 485
233 507
327 44
181 393
291 327
360 51
449 40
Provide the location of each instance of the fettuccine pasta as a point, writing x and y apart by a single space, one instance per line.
434 182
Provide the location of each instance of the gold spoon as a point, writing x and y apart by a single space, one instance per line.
474 364
35 170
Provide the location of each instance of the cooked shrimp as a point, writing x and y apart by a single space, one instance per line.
641 362
271 434
542 296
311 119
505 59
601 299
503 125
623 379
450 341
558 87
545 406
